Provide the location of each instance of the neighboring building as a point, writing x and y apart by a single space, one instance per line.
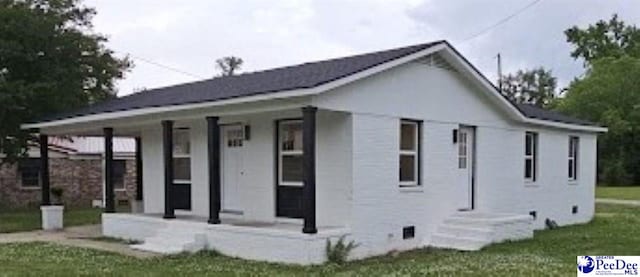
396 150
76 166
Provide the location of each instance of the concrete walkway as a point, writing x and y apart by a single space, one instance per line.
618 201
81 236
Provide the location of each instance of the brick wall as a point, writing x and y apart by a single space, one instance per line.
81 180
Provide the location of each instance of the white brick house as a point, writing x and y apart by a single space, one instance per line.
397 149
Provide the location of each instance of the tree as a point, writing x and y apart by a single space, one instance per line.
50 61
229 65
536 87
610 95
604 39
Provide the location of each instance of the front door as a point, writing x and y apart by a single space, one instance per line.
466 138
232 167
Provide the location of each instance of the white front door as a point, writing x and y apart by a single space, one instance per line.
232 140
464 186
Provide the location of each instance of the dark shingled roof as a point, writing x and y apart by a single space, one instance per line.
307 75
302 76
532 111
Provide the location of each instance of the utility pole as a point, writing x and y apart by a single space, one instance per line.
499 72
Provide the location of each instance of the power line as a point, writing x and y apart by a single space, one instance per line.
163 66
501 21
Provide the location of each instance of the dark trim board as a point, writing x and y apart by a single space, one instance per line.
474 167
167 148
44 170
309 115
108 171
276 175
181 196
139 185
214 161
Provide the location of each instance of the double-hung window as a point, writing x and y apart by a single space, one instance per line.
290 152
119 170
29 170
530 156
574 144
409 153
181 156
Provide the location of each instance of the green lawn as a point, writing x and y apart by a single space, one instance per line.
29 219
626 193
613 232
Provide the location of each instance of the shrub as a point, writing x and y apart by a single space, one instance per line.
57 195
339 252
550 224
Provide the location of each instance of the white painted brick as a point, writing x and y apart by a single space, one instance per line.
357 171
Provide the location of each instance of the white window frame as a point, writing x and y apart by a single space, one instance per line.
573 157
533 156
182 155
282 152
463 150
415 153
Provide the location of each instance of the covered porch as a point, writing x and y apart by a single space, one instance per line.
273 172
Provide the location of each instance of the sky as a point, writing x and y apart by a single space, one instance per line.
189 36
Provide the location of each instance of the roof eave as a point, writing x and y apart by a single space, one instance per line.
260 97
509 107
569 126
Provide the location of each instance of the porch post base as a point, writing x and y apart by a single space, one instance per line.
52 217
213 221
308 230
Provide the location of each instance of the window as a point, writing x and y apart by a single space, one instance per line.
530 156
119 170
573 158
235 137
29 170
181 156
462 149
409 152
290 152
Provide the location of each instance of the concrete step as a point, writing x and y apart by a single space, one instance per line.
173 241
484 219
459 243
469 231
157 248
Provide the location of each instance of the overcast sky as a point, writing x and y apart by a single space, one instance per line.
190 35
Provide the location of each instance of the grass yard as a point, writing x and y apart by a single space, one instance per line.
29 219
625 193
613 232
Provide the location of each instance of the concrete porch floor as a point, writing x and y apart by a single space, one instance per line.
265 241
284 225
